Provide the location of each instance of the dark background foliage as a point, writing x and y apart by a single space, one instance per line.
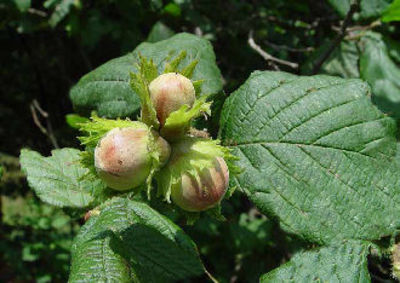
47 46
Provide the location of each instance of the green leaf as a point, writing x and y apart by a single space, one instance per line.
393 47
368 8
22 5
60 180
341 6
315 154
61 10
392 13
74 120
98 260
342 62
107 90
159 32
378 69
346 262
373 8
172 9
129 241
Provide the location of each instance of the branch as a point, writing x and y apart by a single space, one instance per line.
48 131
267 56
37 12
357 32
278 47
353 8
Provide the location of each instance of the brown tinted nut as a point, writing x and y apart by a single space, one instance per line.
168 92
122 158
204 192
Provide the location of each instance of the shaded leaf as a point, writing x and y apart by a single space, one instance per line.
345 262
368 8
61 10
159 32
22 5
378 69
107 90
342 62
130 238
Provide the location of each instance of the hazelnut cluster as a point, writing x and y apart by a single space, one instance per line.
189 169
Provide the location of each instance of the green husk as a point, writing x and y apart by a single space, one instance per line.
190 156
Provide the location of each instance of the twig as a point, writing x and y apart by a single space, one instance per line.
353 8
267 56
372 25
210 276
37 106
288 48
359 31
198 31
37 12
48 131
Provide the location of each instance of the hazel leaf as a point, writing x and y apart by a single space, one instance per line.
129 241
344 262
60 179
107 90
317 155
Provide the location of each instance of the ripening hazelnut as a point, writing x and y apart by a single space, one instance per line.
168 92
205 191
122 157
164 147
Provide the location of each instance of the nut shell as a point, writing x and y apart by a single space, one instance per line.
122 158
168 92
198 194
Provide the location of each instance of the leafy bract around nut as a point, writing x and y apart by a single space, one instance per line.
204 191
191 163
124 153
169 114
178 122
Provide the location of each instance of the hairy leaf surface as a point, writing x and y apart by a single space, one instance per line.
129 241
346 262
316 154
60 179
